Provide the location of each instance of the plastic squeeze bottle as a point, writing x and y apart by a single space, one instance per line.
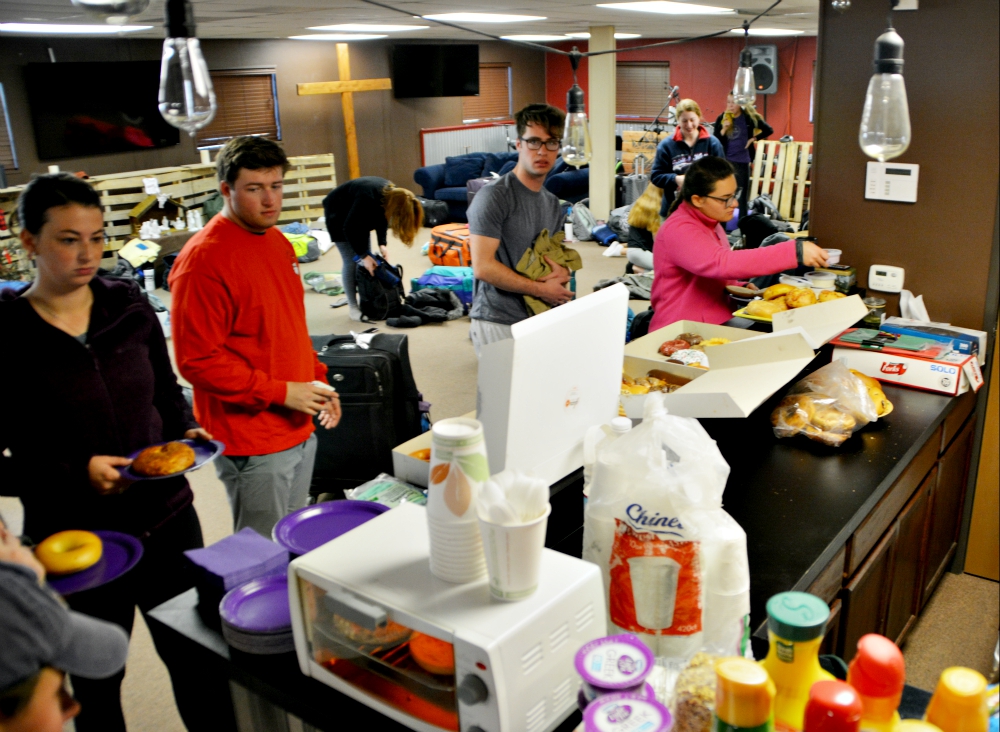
878 673
744 697
796 622
833 706
959 701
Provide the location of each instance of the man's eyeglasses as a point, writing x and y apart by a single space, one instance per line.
534 143
730 200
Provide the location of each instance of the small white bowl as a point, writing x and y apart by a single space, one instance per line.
833 256
821 280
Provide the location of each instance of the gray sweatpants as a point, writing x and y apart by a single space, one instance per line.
263 489
484 331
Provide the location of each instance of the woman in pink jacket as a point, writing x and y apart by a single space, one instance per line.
692 260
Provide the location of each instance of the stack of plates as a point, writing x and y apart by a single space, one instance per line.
313 526
256 617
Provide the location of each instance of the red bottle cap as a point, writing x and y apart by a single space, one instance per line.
833 706
878 669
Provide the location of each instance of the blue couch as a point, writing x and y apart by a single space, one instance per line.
446 181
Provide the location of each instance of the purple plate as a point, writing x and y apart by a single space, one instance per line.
121 552
259 606
205 451
304 530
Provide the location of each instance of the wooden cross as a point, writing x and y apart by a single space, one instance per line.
345 88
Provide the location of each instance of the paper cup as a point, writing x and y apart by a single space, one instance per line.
514 556
458 469
456 551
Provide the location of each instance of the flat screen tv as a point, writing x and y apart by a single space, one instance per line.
445 70
94 108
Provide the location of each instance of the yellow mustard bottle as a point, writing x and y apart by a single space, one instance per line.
959 701
796 622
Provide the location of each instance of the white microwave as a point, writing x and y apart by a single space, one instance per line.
359 601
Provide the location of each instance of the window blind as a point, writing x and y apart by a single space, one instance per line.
247 105
642 89
493 100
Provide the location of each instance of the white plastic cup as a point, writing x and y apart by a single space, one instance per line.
514 556
654 590
568 229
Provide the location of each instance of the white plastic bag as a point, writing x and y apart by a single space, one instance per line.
674 563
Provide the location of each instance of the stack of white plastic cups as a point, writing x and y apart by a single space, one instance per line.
458 470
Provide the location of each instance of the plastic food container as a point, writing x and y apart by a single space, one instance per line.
822 280
613 664
645 691
876 311
832 256
794 281
626 712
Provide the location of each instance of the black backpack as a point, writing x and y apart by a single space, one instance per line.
376 299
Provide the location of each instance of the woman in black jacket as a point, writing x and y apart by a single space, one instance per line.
356 208
738 129
96 385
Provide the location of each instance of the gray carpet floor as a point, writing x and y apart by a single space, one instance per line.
959 626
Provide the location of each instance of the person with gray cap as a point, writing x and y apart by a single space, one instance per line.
42 641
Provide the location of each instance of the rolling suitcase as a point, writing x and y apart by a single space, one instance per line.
381 409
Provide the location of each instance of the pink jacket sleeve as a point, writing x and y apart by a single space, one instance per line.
698 251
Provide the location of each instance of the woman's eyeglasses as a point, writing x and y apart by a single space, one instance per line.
728 201
534 143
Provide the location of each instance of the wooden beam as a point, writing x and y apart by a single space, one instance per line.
339 87
347 101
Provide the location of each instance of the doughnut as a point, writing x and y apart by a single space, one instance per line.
424 454
432 655
693 338
800 297
167 459
668 348
69 551
777 291
828 295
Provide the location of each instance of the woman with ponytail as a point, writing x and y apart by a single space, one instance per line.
738 129
692 259
353 210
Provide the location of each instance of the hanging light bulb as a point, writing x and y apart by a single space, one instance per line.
576 135
186 100
885 122
745 88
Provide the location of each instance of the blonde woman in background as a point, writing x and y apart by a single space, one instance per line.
356 208
738 129
674 155
643 222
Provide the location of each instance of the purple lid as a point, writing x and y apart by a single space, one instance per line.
120 553
259 606
588 693
615 662
621 712
310 527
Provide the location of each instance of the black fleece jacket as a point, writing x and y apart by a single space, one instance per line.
353 209
65 402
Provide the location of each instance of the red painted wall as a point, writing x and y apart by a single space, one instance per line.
704 71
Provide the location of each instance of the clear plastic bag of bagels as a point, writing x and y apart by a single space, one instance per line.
828 406
674 563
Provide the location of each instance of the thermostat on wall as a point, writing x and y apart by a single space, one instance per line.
885 278
892 182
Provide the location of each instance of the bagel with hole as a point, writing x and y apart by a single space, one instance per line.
70 551
160 460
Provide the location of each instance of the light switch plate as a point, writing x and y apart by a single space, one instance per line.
892 182
885 278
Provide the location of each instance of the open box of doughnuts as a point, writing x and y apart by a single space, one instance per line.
742 373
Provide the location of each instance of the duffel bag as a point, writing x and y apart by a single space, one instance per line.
435 212
450 245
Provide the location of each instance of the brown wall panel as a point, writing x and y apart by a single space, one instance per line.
944 240
388 129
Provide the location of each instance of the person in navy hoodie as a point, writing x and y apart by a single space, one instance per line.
691 141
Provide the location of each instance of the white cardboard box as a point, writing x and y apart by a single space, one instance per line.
410 469
952 374
745 372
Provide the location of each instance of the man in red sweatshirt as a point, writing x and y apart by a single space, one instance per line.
240 338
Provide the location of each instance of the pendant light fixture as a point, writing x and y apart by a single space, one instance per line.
745 88
186 99
885 121
576 135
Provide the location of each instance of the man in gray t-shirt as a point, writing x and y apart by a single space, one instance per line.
505 218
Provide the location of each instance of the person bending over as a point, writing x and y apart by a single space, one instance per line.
674 155
691 256
356 208
240 335
505 218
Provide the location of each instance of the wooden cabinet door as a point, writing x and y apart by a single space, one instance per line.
865 597
946 508
832 637
904 596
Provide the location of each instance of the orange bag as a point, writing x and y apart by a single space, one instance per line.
450 245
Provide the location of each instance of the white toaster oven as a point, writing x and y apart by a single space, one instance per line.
360 601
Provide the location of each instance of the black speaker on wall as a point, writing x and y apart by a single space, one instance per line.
765 68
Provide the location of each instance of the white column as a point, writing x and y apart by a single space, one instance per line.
601 111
